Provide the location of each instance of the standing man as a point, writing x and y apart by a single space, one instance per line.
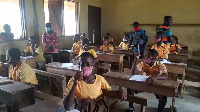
165 28
50 41
139 38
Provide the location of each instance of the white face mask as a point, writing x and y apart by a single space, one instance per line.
124 40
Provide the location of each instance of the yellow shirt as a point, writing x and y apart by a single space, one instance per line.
91 91
38 50
157 69
23 73
104 48
123 46
111 39
76 47
172 48
162 50
90 51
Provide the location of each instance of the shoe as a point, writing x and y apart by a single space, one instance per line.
130 110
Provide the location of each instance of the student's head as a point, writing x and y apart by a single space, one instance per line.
136 26
168 20
84 43
107 34
150 56
48 27
83 35
6 28
125 39
33 40
159 37
13 56
105 40
86 62
76 37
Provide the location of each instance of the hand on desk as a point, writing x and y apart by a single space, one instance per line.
122 95
150 80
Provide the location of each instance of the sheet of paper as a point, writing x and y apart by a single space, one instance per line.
165 61
139 78
66 65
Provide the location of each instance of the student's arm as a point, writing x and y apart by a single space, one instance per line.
177 48
134 67
33 50
69 99
165 52
163 76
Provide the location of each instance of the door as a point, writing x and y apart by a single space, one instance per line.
94 25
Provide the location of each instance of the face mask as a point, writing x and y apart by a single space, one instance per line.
86 70
147 60
158 40
124 40
48 29
105 42
136 28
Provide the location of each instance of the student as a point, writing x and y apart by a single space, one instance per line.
111 41
106 47
173 45
139 38
160 47
86 88
124 45
165 28
84 48
7 34
19 71
152 68
36 51
50 41
77 44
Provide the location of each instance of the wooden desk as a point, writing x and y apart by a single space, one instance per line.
17 95
160 87
112 58
43 106
30 61
179 58
67 54
128 53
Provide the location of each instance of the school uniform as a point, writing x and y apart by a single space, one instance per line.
167 32
172 48
22 73
76 47
162 50
87 95
40 60
104 48
92 51
123 46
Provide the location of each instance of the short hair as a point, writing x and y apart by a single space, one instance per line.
14 53
105 38
167 17
136 23
87 54
160 33
6 26
153 52
175 38
33 37
48 25
85 41
126 36
107 34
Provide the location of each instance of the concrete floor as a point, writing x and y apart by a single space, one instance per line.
190 102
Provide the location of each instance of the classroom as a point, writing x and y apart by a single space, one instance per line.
99 56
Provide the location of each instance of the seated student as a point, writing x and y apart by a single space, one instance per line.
160 47
111 41
86 88
35 50
76 46
106 47
19 71
152 68
7 34
173 45
84 48
124 45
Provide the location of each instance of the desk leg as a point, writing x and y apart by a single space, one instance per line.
172 107
182 86
129 61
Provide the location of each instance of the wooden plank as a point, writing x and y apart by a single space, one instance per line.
30 61
128 52
48 97
49 74
180 58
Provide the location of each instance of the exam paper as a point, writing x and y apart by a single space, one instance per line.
139 78
66 65
165 61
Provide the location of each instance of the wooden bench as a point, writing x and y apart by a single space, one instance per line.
179 58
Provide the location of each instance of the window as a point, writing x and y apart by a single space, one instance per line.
10 14
63 16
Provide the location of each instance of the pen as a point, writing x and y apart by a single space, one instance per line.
59 110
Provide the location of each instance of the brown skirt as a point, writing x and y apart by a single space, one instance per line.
97 105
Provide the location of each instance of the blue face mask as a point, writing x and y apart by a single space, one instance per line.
48 29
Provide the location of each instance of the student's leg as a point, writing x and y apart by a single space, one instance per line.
9 109
162 102
130 92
